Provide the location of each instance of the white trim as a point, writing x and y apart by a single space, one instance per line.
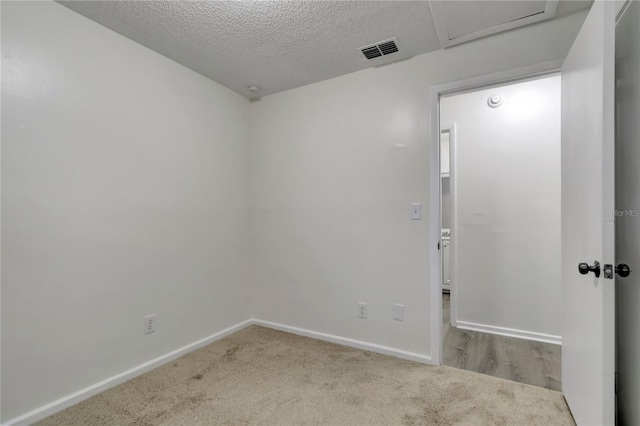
453 307
442 30
496 79
344 341
510 332
435 231
71 399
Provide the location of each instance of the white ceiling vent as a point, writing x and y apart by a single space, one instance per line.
379 49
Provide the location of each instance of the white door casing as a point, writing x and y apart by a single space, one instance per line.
588 233
435 230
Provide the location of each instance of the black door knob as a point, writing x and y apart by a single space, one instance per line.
584 268
623 270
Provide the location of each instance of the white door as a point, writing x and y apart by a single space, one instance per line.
588 234
628 206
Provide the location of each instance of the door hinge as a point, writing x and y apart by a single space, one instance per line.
438 245
616 385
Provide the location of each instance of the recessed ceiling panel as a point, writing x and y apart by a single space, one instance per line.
461 21
467 17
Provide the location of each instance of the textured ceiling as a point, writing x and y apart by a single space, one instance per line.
277 45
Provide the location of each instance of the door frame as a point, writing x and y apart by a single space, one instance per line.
453 301
533 71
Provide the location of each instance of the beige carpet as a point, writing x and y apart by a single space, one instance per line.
267 377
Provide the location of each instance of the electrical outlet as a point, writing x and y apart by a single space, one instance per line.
397 312
362 310
150 324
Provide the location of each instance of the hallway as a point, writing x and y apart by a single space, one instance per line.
519 360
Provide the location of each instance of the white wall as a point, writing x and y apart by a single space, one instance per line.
507 198
124 193
628 224
335 166
126 180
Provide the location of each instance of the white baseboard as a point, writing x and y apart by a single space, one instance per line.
510 332
358 344
69 400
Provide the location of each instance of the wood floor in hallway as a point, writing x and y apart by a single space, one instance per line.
519 360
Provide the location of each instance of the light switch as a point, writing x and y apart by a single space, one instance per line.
416 211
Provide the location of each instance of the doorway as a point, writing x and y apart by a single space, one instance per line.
588 234
500 213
